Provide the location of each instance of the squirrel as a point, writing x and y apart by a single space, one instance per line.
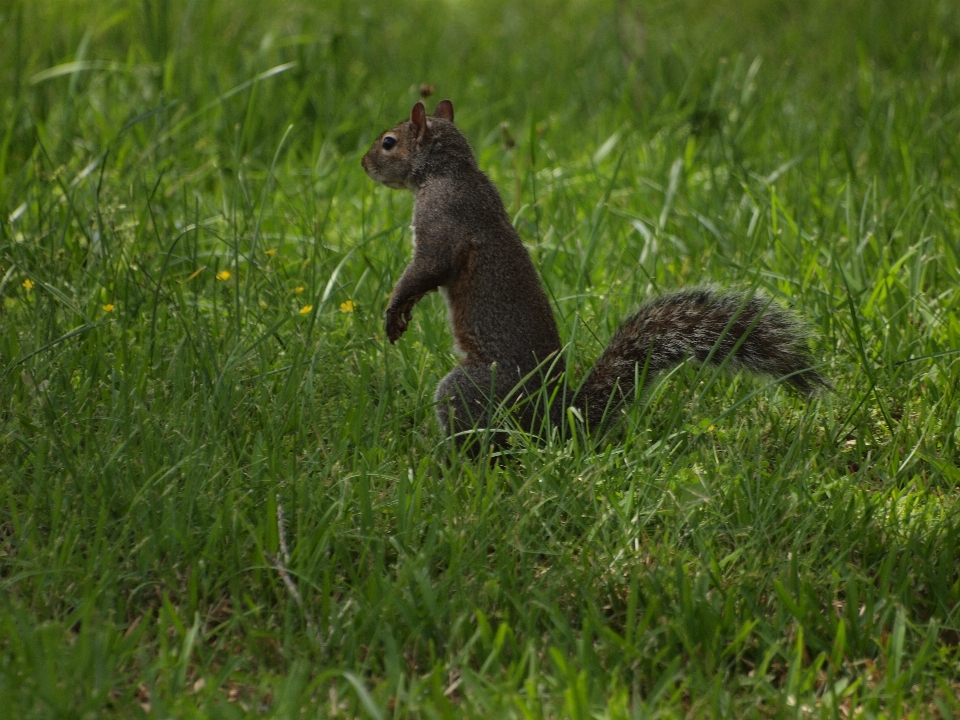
466 247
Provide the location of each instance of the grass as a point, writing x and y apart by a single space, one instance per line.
193 270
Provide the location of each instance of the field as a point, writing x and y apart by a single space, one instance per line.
224 494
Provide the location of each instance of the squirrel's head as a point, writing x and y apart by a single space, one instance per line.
400 151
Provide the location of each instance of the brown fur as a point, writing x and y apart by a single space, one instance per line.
501 318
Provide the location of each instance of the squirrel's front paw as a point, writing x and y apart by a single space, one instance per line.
395 322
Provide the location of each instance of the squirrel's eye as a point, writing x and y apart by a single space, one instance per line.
389 142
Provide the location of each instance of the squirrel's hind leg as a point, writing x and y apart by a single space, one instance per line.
466 399
470 400
477 403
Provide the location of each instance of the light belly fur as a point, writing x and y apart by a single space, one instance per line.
445 294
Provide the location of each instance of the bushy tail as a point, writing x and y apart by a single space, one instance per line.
752 333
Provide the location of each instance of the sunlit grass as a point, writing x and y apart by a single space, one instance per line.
193 269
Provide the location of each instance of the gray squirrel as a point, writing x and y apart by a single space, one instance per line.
466 247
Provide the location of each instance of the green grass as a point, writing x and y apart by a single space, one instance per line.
183 219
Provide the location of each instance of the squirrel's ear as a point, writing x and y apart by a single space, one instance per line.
444 110
418 116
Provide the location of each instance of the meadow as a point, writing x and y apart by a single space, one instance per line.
225 494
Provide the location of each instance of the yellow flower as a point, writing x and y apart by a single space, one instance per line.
223 275
348 307
298 289
28 284
271 252
108 307
305 309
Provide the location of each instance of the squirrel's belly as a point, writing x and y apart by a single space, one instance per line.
445 294
464 340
